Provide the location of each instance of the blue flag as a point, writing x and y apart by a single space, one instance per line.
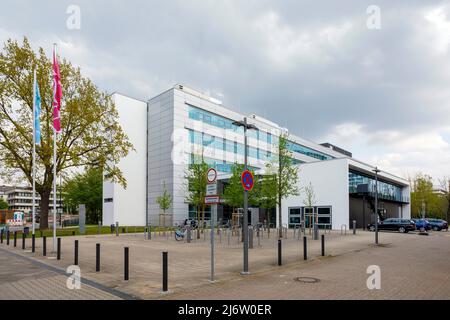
37 112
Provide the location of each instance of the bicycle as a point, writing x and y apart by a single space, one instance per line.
180 233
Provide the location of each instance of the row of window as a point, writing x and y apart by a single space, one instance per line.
295 147
219 165
224 123
218 143
386 190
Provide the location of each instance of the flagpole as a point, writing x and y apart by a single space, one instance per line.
34 152
54 175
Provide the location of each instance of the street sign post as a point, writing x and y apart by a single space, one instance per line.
212 199
247 180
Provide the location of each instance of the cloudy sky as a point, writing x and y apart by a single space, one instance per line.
312 66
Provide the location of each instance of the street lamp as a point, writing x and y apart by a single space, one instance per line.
245 214
376 170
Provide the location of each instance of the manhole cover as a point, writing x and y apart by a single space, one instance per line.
307 279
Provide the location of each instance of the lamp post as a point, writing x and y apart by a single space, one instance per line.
376 170
245 214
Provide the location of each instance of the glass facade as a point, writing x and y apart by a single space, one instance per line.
386 191
295 147
219 165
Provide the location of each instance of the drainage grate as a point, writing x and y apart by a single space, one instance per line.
307 279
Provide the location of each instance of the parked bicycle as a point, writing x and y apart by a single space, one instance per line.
181 232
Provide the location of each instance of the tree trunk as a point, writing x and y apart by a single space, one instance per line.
280 230
198 222
44 206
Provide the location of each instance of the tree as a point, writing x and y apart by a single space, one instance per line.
267 191
91 134
3 204
422 192
233 193
286 174
196 187
86 188
165 200
310 200
445 186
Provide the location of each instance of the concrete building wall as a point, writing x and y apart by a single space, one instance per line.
330 183
160 147
128 204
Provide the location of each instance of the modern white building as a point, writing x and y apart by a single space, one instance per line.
181 125
21 199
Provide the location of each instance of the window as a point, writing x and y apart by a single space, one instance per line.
107 200
294 147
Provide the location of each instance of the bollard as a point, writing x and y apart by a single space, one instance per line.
165 271
73 233
316 232
354 226
15 239
7 238
117 228
44 246
75 258
99 227
126 264
305 249
33 243
220 235
58 249
112 228
188 236
149 232
97 257
123 230
279 252
1 235
323 245
250 238
23 241
229 236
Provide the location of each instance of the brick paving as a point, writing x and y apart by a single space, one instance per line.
342 273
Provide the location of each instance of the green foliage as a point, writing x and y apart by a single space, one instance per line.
422 194
267 191
3 204
165 200
234 191
196 186
286 174
86 188
91 134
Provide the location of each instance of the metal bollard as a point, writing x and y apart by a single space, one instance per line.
15 239
73 233
58 249
97 257
33 243
75 258
316 232
23 240
7 238
354 226
126 264
229 236
165 270
99 227
44 246
323 245
305 249
279 252
188 236
1 236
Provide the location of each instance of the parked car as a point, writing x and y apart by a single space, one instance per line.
394 224
438 224
421 224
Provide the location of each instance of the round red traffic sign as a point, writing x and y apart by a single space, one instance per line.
211 175
247 180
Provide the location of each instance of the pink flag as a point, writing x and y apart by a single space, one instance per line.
57 94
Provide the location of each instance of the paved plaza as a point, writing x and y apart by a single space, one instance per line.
412 266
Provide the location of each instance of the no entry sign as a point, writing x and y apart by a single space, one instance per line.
247 180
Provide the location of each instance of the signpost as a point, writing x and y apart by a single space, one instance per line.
212 199
247 180
82 218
